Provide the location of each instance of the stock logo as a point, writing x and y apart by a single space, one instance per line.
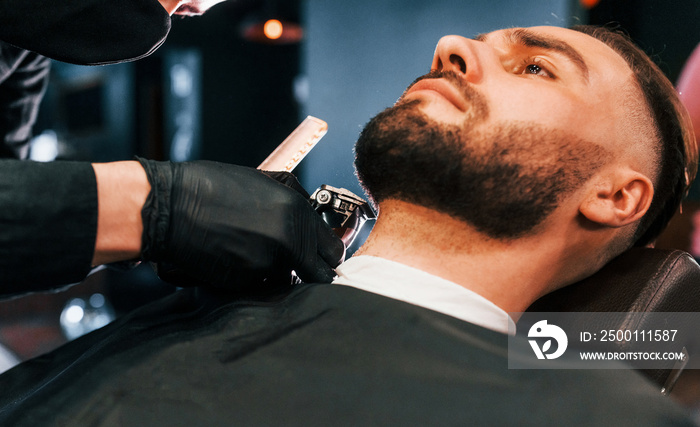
542 330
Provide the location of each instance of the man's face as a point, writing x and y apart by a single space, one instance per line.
501 130
553 77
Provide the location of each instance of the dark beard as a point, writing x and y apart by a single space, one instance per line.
503 181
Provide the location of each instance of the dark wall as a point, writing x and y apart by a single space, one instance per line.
248 104
667 30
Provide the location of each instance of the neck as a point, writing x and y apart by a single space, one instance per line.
511 274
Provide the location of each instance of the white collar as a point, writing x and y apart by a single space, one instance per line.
401 282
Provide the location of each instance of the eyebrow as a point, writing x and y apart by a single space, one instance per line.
528 38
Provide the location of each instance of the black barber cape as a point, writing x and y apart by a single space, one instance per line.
321 355
85 32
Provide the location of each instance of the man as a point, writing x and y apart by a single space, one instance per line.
60 219
560 162
523 162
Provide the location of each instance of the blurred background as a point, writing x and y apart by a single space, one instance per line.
223 89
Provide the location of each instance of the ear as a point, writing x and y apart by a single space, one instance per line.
620 201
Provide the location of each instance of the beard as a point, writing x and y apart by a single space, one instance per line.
503 181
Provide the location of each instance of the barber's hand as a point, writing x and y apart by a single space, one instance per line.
224 225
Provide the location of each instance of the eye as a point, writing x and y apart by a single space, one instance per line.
534 67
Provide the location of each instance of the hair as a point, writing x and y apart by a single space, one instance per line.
678 153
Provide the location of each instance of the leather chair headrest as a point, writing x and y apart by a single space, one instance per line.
641 280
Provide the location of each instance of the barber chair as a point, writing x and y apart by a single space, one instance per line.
642 280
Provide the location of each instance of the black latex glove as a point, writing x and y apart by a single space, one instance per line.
227 225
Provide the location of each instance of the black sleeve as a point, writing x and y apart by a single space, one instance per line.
85 32
48 224
23 79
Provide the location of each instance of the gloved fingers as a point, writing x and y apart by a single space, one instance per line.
330 248
330 252
289 180
316 271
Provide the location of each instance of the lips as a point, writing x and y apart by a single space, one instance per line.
441 87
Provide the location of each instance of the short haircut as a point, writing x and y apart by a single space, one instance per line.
676 140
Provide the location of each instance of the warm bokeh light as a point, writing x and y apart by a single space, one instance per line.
589 4
273 29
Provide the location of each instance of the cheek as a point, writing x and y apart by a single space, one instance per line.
548 108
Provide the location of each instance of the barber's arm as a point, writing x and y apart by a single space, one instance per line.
122 188
220 224
228 225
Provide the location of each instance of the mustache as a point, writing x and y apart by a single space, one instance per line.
439 74
474 97
450 76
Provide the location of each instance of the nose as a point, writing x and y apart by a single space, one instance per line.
458 54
